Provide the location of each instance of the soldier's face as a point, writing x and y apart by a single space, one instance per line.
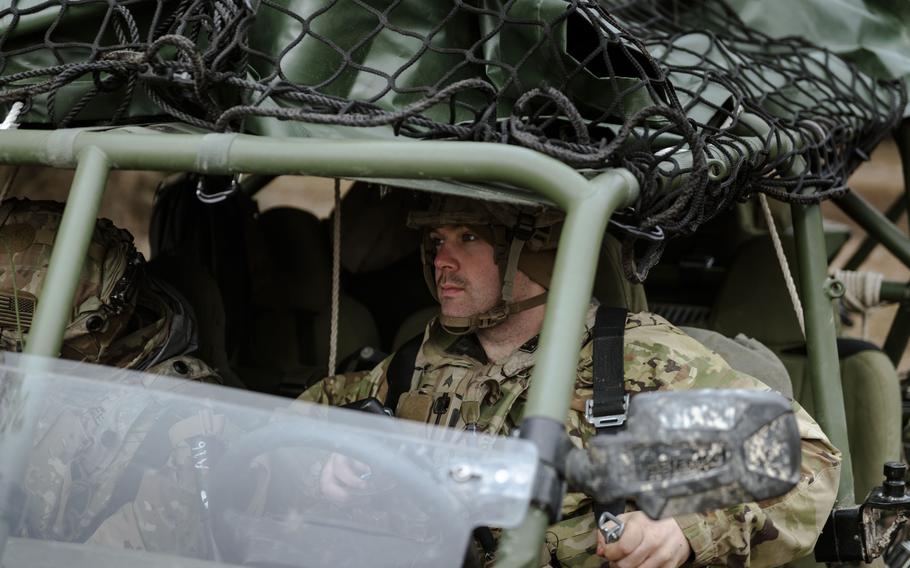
467 278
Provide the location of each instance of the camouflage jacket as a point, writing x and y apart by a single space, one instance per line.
454 384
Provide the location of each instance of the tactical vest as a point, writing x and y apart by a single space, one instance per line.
482 398
460 393
460 399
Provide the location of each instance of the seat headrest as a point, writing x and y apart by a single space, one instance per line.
299 264
753 299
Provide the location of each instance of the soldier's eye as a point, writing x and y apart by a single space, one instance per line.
435 241
468 237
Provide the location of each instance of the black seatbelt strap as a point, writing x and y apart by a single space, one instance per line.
607 410
401 370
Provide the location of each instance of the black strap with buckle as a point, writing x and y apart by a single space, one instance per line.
608 409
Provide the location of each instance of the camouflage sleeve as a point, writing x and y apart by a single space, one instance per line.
770 533
339 390
773 532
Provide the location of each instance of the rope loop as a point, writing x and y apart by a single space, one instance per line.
862 293
12 117
784 265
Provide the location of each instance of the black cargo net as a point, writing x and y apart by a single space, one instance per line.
703 110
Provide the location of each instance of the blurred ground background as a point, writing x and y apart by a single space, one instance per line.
879 181
130 195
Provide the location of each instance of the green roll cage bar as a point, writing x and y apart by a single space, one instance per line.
588 204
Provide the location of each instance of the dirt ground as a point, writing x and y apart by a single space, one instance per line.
129 197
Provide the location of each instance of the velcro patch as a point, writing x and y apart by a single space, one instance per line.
8 309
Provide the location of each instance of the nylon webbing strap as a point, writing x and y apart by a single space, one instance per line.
401 370
607 409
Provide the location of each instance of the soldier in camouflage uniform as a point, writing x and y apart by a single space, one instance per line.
472 372
121 317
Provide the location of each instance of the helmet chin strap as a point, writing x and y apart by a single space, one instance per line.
456 325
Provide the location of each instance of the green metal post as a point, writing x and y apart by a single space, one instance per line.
902 137
513 549
554 373
893 214
68 257
899 334
53 313
876 224
898 244
573 278
893 292
588 206
821 340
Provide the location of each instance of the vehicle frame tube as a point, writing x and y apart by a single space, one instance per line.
821 340
588 206
52 315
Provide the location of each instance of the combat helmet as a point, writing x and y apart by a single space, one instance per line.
119 316
524 237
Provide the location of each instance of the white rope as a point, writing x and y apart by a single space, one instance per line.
862 293
12 116
336 279
784 265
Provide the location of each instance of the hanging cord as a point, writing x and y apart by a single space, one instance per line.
784 265
336 279
862 293
12 117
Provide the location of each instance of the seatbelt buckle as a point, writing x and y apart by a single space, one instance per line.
610 420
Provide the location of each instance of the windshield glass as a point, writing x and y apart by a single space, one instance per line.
132 467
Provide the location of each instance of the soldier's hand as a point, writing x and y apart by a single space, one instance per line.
343 477
646 543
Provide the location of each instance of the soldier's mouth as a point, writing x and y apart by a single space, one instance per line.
450 291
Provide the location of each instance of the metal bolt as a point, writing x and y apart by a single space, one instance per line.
462 473
834 288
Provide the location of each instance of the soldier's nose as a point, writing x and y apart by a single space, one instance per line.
444 259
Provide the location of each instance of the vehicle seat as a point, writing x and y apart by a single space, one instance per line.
290 304
199 288
747 355
754 288
742 353
381 258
